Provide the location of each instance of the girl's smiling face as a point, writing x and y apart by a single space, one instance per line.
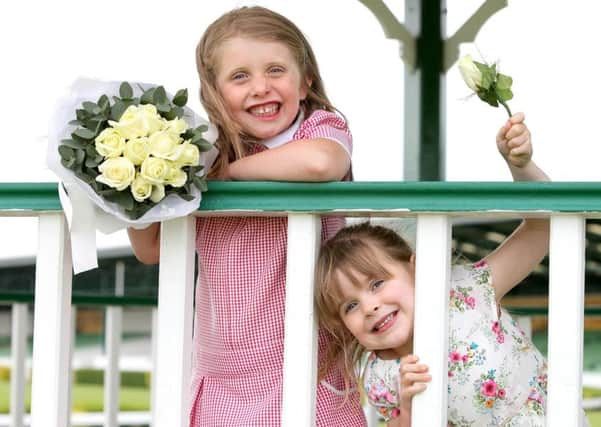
378 311
261 85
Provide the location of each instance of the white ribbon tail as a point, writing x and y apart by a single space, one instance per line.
80 212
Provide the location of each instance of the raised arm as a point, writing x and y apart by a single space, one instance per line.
146 243
314 160
525 248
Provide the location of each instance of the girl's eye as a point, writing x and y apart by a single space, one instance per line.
376 284
239 76
350 306
276 70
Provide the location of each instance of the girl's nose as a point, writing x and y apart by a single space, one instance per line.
260 86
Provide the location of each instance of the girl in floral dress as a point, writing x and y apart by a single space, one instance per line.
261 87
364 297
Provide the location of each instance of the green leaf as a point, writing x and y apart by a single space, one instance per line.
168 115
148 96
84 133
66 153
163 107
81 115
181 97
200 183
179 112
504 94
80 156
203 145
126 91
117 110
503 81
69 164
94 125
71 143
160 96
91 108
76 123
104 103
202 128
122 198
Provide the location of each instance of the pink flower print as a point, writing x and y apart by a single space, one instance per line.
372 393
501 393
388 397
395 412
464 358
500 338
455 356
480 263
450 374
496 327
489 388
471 302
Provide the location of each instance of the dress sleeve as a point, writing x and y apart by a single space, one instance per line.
328 125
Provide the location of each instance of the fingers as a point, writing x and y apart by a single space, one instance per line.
413 375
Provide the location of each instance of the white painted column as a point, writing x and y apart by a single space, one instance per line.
174 329
52 324
153 349
18 355
112 331
430 342
300 341
566 321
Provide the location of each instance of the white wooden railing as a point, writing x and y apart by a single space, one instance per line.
434 214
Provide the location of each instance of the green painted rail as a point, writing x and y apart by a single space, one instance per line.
357 196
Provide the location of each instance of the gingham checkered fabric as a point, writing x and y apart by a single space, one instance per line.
239 316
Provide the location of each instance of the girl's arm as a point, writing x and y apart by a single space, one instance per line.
314 160
525 248
146 243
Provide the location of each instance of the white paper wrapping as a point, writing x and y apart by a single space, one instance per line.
85 210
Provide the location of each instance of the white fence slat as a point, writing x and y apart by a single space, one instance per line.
112 330
300 342
52 324
566 320
153 349
18 344
174 329
432 276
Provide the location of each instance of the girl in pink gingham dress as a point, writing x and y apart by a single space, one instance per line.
261 87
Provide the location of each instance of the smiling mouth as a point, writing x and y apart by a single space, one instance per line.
265 110
385 322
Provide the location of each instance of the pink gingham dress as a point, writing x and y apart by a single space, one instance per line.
239 313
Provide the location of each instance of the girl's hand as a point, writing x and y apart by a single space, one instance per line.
413 377
514 143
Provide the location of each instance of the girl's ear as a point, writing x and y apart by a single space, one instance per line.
305 88
412 260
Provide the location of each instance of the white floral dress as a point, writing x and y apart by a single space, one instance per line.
496 375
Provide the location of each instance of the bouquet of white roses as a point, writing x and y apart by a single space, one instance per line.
127 156
136 150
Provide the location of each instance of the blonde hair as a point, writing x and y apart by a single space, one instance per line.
353 249
261 24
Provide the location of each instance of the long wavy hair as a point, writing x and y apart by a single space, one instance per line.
261 24
354 249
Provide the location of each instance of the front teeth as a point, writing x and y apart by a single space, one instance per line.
384 322
264 109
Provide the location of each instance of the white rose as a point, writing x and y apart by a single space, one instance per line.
175 176
140 188
154 170
138 121
470 72
158 193
165 145
177 126
109 143
137 150
117 173
189 156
